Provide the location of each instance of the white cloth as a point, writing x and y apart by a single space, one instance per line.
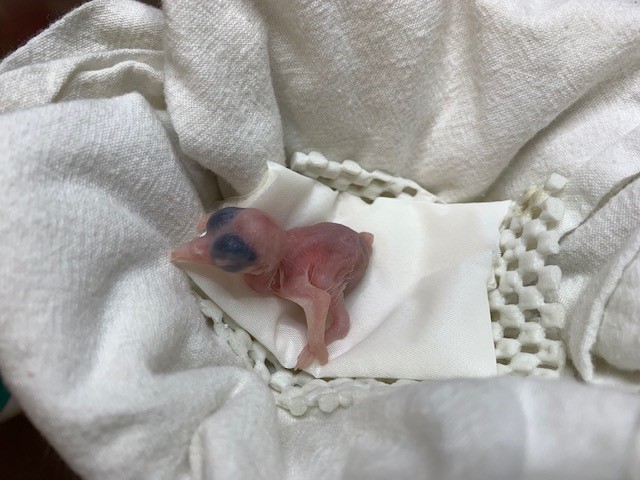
599 254
610 322
101 341
620 329
407 320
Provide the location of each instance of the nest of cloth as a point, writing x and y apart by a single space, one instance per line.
121 124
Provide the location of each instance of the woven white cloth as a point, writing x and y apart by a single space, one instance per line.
101 341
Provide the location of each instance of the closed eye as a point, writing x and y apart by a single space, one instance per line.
232 254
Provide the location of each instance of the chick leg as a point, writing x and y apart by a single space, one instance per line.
340 326
305 358
315 303
337 330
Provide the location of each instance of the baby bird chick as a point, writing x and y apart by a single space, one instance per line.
312 266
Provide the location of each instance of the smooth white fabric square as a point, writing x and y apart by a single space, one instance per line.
421 310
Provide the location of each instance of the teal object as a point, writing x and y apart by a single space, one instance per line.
4 395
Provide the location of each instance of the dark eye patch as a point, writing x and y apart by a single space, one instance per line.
231 253
222 217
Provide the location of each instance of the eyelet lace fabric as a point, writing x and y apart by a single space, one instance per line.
527 320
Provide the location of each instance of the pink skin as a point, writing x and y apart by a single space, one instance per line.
312 266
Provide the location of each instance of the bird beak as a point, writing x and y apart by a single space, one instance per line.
195 251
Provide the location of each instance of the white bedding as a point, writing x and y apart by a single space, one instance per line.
106 122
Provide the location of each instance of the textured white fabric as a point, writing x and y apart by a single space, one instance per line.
502 429
620 329
597 254
443 93
407 317
101 341
610 322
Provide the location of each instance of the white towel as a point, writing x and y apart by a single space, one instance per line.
101 341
